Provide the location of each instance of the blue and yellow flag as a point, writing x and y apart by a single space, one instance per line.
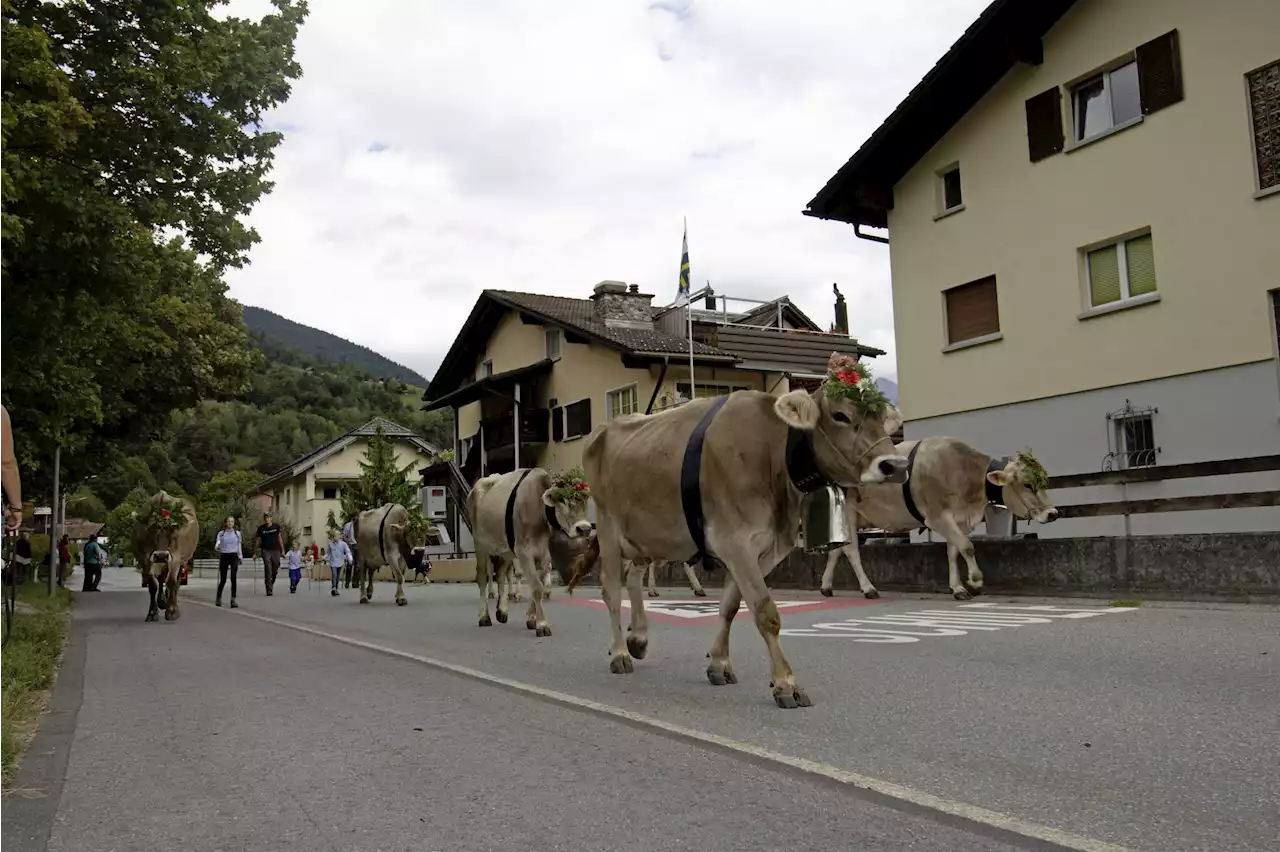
682 296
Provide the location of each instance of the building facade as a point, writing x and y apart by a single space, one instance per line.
1083 211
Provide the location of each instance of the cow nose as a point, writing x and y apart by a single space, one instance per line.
1051 516
582 529
893 468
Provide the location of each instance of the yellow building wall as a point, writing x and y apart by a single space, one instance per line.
1186 172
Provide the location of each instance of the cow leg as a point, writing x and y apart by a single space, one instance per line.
398 570
482 581
855 560
698 591
620 661
537 618
502 575
748 568
174 580
546 578
149 580
720 669
515 580
957 542
650 570
638 631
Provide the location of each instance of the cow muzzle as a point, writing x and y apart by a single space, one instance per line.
889 469
1048 516
158 556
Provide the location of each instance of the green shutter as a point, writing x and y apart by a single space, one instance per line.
1142 265
1104 276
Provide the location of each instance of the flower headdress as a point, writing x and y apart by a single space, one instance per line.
570 487
849 379
1033 473
166 516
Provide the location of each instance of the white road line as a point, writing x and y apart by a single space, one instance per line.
972 813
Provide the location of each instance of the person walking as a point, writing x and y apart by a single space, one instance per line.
267 540
339 555
22 556
349 536
64 559
10 477
295 567
94 558
227 543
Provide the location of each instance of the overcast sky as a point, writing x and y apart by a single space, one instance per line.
433 149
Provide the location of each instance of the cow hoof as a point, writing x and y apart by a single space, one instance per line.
699 593
544 630
974 590
720 675
654 593
961 594
364 600
151 616
622 665
486 621
502 617
788 698
827 593
531 624
871 594
402 601
637 646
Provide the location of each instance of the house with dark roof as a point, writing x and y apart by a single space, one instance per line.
1081 205
304 491
529 375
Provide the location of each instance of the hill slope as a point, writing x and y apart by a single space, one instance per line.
321 344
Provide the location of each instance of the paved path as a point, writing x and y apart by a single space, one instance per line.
1150 729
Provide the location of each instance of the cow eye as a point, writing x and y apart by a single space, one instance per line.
841 417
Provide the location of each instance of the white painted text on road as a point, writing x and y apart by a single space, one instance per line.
900 628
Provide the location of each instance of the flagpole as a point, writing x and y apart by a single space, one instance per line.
693 387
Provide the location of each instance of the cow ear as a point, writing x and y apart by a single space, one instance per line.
546 498
892 420
798 409
1000 477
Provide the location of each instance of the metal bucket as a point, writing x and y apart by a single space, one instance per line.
824 524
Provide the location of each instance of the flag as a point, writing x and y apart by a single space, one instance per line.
682 295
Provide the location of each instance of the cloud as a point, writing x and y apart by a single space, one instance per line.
436 149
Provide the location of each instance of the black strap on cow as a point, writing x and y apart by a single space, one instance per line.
381 528
509 520
995 493
691 481
906 486
802 466
552 520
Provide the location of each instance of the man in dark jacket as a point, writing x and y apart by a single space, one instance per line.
267 540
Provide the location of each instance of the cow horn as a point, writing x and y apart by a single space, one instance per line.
397 527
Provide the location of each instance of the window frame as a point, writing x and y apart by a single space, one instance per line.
577 435
990 337
1260 191
324 492
1122 442
610 395
1074 140
728 388
553 334
941 191
1122 261
486 368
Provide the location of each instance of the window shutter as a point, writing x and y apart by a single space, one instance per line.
1140 255
557 423
972 310
1104 276
1044 124
1160 72
586 417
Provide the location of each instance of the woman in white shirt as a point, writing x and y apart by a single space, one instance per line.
228 545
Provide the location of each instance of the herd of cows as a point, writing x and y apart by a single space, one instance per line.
720 480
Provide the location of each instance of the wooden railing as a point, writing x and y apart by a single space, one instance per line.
1203 502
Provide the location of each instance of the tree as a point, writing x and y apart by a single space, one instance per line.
382 481
227 487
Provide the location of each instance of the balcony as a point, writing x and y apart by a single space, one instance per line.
499 435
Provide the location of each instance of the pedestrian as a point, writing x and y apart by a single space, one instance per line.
228 545
267 539
10 478
295 567
339 555
349 536
64 559
94 557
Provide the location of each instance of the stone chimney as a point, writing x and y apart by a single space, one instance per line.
620 306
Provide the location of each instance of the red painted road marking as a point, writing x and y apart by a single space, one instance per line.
699 610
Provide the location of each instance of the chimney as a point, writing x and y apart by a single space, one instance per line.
620 306
842 312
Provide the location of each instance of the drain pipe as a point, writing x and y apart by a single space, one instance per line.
662 374
857 232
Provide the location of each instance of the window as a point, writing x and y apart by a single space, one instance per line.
1264 114
1106 101
1121 271
306 530
286 496
577 419
972 312
331 493
486 369
705 391
553 343
949 186
1136 439
622 401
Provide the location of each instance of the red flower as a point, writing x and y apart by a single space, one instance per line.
848 377
581 486
165 513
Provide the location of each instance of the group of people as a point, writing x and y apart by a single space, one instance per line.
268 540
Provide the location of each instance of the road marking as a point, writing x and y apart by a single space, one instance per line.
887 789
696 610
904 627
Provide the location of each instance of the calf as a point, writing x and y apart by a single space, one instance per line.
950 486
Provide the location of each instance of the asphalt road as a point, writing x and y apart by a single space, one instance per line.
1151 728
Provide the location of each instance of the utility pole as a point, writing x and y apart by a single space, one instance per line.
53 522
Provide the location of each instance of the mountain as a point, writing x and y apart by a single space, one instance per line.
306 340
889 388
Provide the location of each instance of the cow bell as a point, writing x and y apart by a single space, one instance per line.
824 524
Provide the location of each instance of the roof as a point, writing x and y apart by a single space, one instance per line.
495 384
575 316
1006 33
762 314
311 459
786 350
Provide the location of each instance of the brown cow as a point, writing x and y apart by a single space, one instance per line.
515 521
381 536
755 449
950 487
169 548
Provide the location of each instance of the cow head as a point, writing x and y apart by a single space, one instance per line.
566 501
1025 488
849 422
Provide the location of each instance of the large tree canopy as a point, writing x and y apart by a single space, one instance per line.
132 147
